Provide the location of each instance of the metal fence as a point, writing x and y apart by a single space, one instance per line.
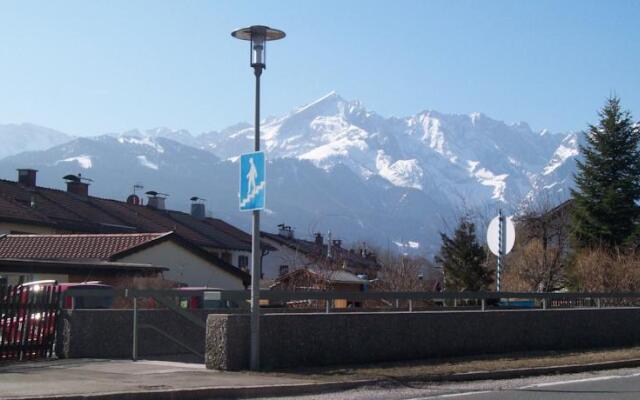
180 303
331 301
28 317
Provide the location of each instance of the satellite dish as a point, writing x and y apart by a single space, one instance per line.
133 200
493 235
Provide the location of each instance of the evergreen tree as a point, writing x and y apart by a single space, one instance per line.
462 258
605 212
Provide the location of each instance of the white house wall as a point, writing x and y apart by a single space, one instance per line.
185 266
235 254
283 256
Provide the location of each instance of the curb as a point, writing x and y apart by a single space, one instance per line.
234 392
522 372
220 392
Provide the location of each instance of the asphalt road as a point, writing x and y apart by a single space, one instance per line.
614 385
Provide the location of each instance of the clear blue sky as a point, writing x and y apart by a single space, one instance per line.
88 67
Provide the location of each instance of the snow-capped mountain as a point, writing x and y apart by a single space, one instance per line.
471 157
334 165
17 138
556 179
179 135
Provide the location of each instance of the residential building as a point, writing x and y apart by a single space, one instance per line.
115 259
322 280
28 208
293 253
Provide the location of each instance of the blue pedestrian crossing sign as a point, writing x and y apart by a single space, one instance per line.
252 181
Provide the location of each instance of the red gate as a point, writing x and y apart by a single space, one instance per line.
28 316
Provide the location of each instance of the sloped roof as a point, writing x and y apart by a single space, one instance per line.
98 247
329 276
73 247
62 266
67 211
314 249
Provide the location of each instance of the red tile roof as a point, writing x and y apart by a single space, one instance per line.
72 247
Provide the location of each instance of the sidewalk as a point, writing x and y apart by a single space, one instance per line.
123 379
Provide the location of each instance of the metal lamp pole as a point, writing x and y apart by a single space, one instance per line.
258 36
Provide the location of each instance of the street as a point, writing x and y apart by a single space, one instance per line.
613 384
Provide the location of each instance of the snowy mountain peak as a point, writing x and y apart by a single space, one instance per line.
429 151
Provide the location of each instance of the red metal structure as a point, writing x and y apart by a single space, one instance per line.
28 316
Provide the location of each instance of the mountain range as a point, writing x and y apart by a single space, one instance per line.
332 165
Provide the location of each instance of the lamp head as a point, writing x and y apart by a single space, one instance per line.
258 35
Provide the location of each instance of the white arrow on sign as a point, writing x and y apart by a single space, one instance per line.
493 235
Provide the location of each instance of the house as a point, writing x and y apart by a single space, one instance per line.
293 253
322 280
114 258
28 208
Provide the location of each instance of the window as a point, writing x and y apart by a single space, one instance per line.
284 269
226 257
243 262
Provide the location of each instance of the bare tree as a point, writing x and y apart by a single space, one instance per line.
403 273
538 262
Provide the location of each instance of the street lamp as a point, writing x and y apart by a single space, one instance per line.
258 36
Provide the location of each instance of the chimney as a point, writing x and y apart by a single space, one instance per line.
156 200
198 209
27 177
285 231
77 185
319 240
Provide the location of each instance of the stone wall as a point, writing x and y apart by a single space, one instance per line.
292 340
109 334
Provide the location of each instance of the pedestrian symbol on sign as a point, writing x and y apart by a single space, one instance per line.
252 181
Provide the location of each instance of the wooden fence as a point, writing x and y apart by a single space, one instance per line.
28 317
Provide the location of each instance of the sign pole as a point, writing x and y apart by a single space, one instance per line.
255 250
502 246
254 186
501 236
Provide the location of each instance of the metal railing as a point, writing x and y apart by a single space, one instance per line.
434 300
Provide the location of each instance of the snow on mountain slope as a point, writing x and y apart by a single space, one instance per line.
556 180
17 138
182 136
460 156
333 164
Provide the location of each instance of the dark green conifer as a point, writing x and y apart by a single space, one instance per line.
605 210
462 259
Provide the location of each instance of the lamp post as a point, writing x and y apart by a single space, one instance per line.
258 36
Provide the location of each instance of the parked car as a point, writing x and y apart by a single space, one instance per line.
102 301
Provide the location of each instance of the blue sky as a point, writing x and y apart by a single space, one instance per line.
89 67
